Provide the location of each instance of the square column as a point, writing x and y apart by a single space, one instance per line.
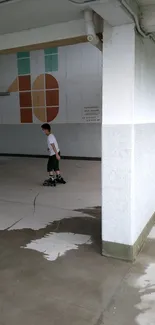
128 133
118 141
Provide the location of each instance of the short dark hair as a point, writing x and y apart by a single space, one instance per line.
46 126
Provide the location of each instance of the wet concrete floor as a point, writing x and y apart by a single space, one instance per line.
75 285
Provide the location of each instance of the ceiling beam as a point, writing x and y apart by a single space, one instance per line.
40 46
61 34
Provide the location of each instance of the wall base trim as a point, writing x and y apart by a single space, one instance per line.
46 156
128 252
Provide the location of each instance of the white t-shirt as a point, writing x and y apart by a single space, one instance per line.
52 140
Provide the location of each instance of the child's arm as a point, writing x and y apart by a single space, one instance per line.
55 150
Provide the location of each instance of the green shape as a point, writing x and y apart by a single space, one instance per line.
21 55
23 67
52 50
51 63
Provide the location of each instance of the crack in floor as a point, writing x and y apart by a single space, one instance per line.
34 203
9 227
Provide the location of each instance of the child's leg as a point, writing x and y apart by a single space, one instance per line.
50 168
59 178
51 175
52 179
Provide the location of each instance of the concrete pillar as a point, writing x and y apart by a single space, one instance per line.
128 137
118 142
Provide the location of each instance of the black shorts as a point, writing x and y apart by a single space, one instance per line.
53 163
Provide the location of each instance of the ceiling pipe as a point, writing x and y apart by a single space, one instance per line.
139 28
7 2
84 2
134 16
90 30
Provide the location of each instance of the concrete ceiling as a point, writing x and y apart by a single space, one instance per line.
27 14
21 15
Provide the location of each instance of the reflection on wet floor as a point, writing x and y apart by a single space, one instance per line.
84 225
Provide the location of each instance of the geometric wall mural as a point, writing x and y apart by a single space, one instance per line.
59 85
41 97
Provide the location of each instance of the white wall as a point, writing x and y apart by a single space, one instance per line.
77 140
79 77
128 133
144 134
144 81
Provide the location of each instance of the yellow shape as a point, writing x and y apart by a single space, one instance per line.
14 86
39 82
38 98
40 113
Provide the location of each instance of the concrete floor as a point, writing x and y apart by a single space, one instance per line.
51 269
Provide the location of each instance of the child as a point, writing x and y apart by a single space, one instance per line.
54 157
